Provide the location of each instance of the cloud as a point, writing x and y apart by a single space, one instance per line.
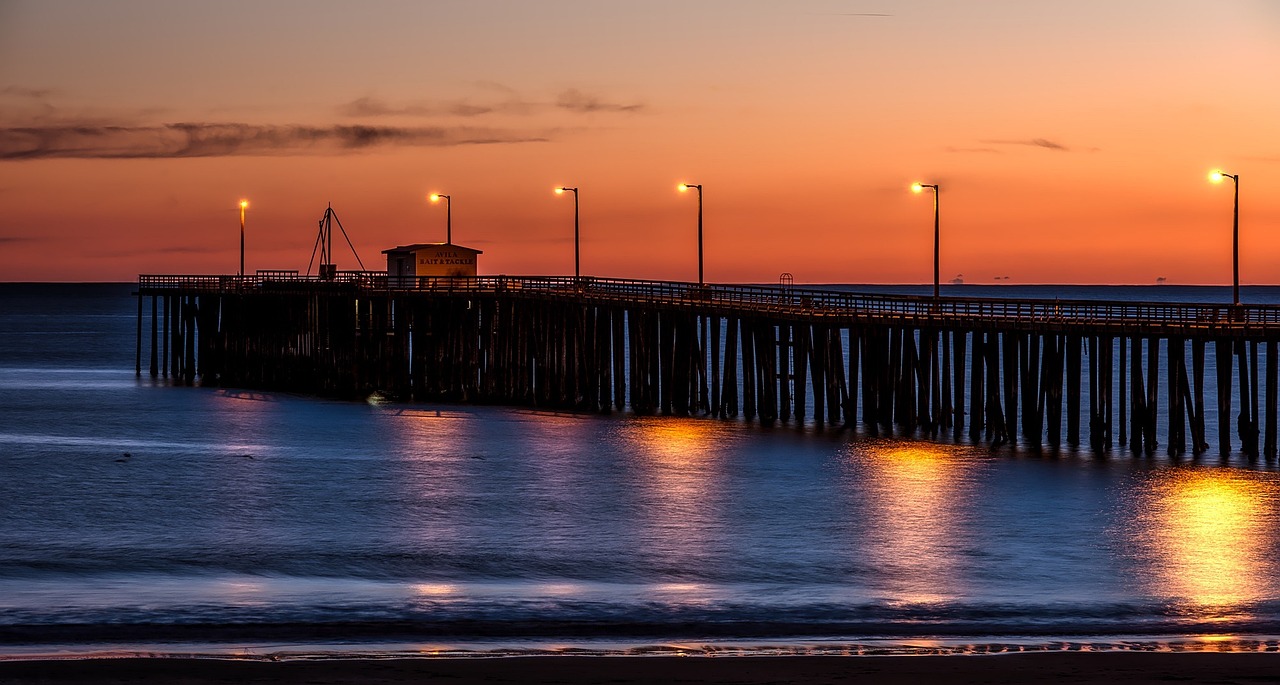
15 239
367 107
575 100
181 140
24 92
572 100
1032 142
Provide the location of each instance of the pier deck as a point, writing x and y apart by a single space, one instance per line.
912 364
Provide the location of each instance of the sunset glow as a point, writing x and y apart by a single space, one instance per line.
1073 151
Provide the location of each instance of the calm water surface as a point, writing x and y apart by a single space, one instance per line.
136 513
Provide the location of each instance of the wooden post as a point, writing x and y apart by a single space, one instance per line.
1253 398
619 359
1175 437
946 410
704 402
818 364
1153 393
1123 378
154 359
800 353
835 376
1198 443
170 321
908 382
1222 363
1107 348
1137 399
1095 394
786 348
872 371
730 369
748 370
1051 387
997 419
1032 398
1246 426
1074 345
138 362
717 408
957 386
767 360
851 407
1010 371
977 391
1272 359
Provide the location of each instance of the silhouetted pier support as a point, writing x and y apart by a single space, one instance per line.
994 371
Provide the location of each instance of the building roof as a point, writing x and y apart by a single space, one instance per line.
418 246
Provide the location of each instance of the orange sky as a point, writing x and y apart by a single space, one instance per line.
1072 142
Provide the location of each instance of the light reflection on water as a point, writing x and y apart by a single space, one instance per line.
917 498
676 467
1206 535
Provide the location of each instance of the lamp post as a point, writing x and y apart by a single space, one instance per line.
244 204
916 188
1216 176
576 254
448 216
683 187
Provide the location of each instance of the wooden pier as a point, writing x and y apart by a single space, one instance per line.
991 370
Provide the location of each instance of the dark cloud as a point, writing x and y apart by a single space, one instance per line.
367 107
15 239
575 100
222 140
572 100
24 92
1032 142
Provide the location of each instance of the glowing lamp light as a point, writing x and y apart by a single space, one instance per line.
559 191
916 187
683 187
435 197
244 204
1215 176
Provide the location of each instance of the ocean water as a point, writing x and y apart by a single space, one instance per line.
139 516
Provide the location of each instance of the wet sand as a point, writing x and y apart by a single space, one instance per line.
1111 667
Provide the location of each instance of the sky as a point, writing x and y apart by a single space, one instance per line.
1071 141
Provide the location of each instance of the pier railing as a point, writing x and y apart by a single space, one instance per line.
784 301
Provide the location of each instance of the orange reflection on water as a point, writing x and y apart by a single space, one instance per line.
675 441
678 450
679 499
917 492
436 589
1206 532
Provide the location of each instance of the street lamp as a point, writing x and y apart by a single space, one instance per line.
448 215
683 187
1216 176
244 204
916 188
576 254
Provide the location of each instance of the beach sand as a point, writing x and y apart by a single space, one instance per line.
1128 668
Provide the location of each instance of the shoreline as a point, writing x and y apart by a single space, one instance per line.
1134 668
